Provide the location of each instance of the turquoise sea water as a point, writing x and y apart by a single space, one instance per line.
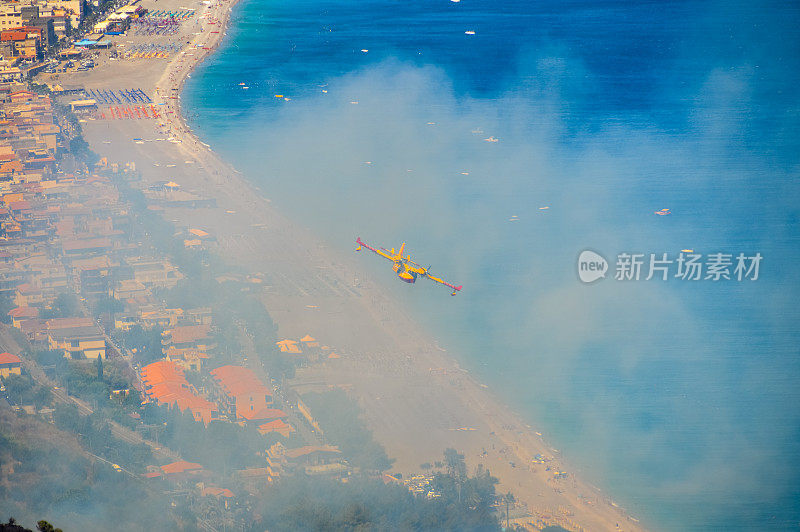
680 398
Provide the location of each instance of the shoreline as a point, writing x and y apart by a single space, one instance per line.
389 363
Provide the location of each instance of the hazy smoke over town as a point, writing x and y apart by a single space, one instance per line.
394 154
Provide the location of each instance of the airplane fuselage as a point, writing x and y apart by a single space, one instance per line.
405 273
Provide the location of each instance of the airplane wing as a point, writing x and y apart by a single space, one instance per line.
442 281
378 251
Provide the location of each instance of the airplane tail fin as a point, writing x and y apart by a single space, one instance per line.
402 247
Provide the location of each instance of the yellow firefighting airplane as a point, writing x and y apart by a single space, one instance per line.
407 270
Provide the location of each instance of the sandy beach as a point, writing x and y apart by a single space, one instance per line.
416 398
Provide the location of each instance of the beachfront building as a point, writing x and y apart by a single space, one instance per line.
120 20
289 346
86 105
309 341
307 459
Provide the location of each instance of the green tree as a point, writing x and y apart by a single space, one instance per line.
6 304
80 149
509 499
19 387
456 467
66 305
147 343
24 391
109 305
42 397
44 526
340 419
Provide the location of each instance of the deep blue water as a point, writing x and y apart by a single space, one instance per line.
679 397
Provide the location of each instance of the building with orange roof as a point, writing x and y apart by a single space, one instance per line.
181 470
243 393
10 365
223 495
26 42
20 314
309 340
289 346
181 466
280 459
165 383
276 425
213 491
257 415
314 454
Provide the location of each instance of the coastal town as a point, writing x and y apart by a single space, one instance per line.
141 318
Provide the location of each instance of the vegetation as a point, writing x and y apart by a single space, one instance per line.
22 390
46 473
235 309
94 432
86 380
80 149
365 503
463 493
41 526
145 343
64 306
108 305
339 418
220 446
6 304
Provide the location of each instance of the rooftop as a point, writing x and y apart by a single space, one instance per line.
8 358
